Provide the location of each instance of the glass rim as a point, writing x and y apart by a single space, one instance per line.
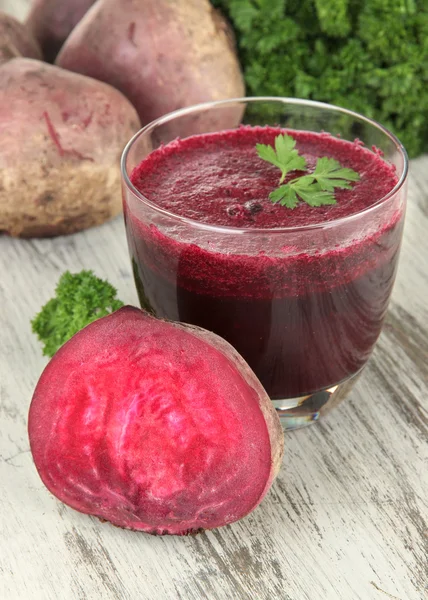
258 230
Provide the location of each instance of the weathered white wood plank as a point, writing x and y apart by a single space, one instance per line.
347 518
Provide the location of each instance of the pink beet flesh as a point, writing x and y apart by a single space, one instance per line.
153 426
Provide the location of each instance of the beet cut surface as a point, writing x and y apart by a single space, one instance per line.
154 426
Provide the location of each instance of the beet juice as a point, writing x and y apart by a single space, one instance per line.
300 293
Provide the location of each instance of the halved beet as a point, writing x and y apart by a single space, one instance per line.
154 426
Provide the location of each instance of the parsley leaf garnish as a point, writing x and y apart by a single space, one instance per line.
330 174
317 188
285 156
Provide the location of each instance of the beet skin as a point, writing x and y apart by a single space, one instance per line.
62 135
52 21
16 40
162 55
154 426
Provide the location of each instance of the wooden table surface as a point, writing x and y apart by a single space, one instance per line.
347 518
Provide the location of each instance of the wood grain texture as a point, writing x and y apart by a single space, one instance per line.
347 518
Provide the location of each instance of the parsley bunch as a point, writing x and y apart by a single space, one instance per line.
367 55
81 298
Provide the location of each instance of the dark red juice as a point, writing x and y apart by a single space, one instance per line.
304 306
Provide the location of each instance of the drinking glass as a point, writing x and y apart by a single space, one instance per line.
303 305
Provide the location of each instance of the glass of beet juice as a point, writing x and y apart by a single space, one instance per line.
300 292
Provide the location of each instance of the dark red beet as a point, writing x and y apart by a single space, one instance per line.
52 21
16 40
154 426
162 55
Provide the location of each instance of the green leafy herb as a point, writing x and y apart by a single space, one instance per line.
285 156
317 188
367 55
330 174
80 299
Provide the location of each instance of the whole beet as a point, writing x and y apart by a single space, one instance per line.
161 55
51 22
16 40
62 135
155 426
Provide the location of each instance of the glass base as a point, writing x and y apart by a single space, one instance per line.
300 412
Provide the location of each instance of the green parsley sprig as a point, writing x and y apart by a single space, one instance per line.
80 299
317 188
284 156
